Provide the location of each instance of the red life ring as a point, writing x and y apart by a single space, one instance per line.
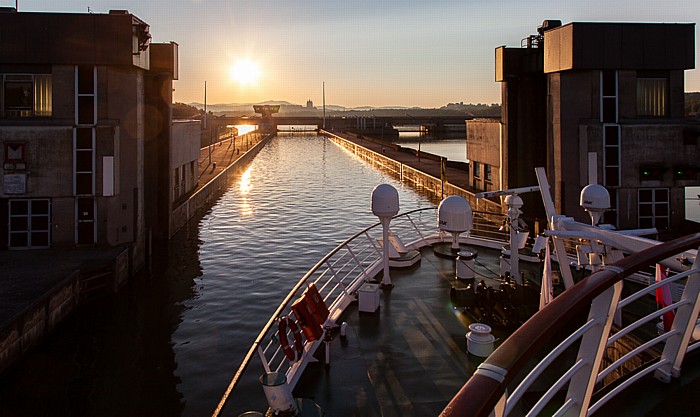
298 346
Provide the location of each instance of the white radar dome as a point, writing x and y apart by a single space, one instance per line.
595 199
385 201
513 200
455 215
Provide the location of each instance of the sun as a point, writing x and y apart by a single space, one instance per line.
245 72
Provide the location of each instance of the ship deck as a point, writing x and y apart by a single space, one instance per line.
410 358
407 358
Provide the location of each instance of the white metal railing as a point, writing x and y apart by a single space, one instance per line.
338 276
581 365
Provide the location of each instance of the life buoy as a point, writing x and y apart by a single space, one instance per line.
286 348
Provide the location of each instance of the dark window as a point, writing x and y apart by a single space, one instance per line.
86 80
83 184
612 177
609 84
612 135
609 110
608 102
83 138
653 208
487 172
29 224
86 110
477 169
19 95
611 155
83 161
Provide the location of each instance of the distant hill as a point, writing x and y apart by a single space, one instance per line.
451 109
185 111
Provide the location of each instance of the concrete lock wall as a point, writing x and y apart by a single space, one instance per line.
31 326
417 178
205 196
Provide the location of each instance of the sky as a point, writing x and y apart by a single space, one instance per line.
377 53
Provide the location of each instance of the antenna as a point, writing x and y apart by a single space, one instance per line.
324 104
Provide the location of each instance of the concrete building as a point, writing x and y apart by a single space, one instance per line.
485 169
601 103
85 127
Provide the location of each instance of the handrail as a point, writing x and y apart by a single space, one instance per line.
292 293
486 387
369 252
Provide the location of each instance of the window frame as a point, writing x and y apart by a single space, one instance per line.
32 217
654 204
37 108
651 103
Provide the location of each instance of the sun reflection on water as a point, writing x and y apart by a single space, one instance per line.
245 187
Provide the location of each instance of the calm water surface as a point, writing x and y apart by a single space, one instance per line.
168 344
452 147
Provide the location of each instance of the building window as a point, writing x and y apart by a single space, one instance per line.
487 173
652 94
84 161
477 170
611 141
611 155
653 208
27 95
29 224
85 95
608 96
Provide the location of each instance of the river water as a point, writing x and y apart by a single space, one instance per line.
451 146
167 344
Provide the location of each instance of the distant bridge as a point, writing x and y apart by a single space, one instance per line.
369 123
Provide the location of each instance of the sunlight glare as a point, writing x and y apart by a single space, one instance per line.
243 129
246 185
245 72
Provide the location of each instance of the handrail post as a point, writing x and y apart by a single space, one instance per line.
683 324
592 348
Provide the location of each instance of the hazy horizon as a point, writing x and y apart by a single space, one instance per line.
378 53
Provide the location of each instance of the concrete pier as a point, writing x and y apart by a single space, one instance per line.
422 171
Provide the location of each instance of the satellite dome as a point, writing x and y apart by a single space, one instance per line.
513 200
455 215
385 201
595 199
